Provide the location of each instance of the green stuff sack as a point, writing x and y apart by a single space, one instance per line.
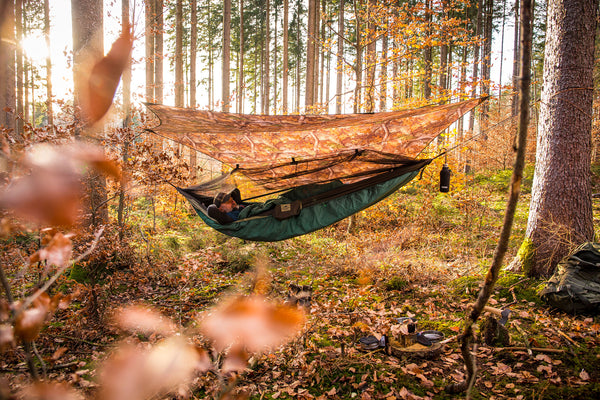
575 285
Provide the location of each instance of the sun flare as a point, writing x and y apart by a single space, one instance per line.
35 48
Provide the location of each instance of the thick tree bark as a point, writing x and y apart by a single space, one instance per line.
179 93
226 62
560 215
87 22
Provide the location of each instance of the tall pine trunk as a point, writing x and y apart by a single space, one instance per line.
285 72
340 60
20 71
226 62
309 99
427 53
370 58
49 111
193 56
179 93
516 55
240 83
87 24
158 51
150 16
560 211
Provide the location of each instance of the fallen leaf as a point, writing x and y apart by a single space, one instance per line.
59 251
143 320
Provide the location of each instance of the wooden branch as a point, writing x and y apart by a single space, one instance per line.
58 273
52 368
515 188
6 286
523 348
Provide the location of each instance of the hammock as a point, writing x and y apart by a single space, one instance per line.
327 167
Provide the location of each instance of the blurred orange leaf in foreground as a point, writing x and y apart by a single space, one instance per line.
100 83
133 373
144 320
52 192
251 322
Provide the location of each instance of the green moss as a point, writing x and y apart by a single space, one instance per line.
80 274
526 255
396 283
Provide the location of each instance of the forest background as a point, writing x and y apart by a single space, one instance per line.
75 255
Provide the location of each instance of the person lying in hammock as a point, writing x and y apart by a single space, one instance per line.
229 204
229 207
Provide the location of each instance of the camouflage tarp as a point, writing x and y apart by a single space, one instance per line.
290 150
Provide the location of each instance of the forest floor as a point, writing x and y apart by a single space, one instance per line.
419 254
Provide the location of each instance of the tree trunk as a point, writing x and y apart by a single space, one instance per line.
516 55
7 64
87 22
126 120
179 94
358 64
240 90
501 57
427 53
383 75
475 79
49 112
226 62
309 97
150 16
266 60
276 9
396 67
321 75
463 95
339 88
20 71
560 215
486 65
158 51
371 59
285 72
193 56
298 57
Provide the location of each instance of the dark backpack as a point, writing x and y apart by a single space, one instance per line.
575 285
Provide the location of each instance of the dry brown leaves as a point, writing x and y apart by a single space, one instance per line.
100 80
51 193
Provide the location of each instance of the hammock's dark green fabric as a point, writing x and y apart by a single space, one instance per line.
323 205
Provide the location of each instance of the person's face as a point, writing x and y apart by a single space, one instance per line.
228 206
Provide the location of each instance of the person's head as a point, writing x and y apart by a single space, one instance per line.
224 202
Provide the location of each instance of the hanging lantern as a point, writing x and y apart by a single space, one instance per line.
445 176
